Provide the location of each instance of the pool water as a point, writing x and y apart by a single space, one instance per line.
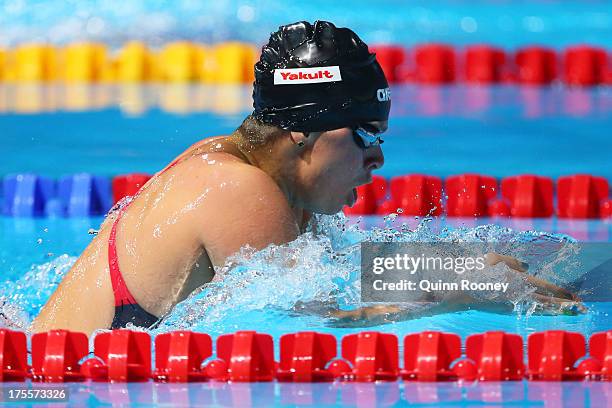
493 130
393 394
510 24
497 130
260 293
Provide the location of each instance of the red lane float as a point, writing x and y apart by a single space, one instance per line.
390 58
368 197
373 356
484 64
498 356
417 194
387 207
585 65
13 356
580 196
304 357
600 348
379 188
469 195
128 185
179 356
553 354
529 195
384 204
474 195
435 63
428 356
499 208
606 208
56 355
247 356
536 65
122 356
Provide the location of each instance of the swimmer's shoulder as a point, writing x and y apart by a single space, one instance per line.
223 169
221 163
219 168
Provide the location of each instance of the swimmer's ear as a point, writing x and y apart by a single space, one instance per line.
301 143
299 138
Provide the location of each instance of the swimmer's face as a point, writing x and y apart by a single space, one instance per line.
334 165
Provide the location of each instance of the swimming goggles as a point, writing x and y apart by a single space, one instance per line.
366 138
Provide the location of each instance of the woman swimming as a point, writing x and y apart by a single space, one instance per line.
321 102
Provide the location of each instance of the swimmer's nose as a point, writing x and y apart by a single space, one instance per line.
374 158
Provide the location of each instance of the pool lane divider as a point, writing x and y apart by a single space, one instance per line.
578 196
232 63
128 185
76 195
440 64
247 356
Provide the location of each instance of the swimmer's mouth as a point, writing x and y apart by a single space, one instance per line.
354 200
367 180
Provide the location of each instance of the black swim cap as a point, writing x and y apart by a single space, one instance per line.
318 77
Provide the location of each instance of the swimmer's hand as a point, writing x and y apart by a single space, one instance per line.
366 316
550 297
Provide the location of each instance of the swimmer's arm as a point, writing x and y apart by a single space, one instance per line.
249 210
550 298
542 286
382 314
388 313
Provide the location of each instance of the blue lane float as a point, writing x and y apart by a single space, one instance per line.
83 194
75 195
26 195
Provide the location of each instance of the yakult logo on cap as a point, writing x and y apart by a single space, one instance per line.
307 75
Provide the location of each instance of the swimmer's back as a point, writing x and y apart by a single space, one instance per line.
183 222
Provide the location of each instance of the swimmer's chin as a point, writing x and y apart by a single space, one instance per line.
334 208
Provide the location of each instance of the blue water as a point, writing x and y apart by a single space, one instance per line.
498 131
495 130
260 293
394 394
506 23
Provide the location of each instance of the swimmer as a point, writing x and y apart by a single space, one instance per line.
321 103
